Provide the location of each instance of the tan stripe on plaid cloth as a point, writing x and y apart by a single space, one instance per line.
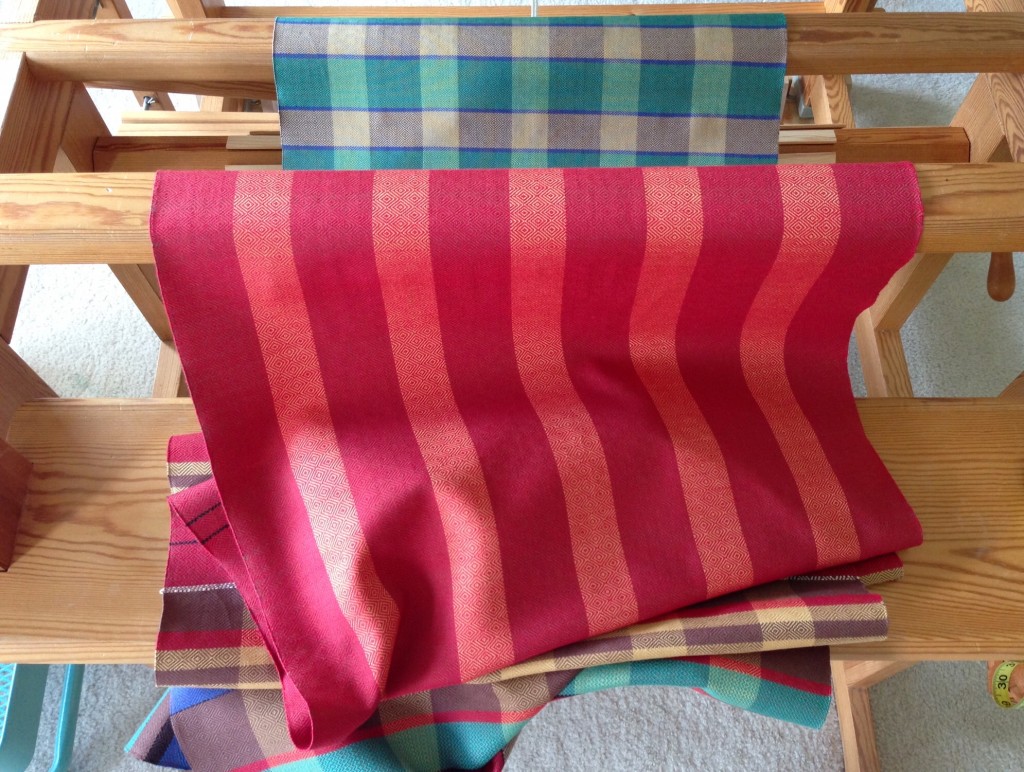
208 637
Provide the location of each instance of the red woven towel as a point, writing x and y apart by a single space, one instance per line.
458 419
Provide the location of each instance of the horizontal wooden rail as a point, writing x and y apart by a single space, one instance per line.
232 57
103 218
92 544
937 144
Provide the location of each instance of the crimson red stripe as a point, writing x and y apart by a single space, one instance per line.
224 348
472 264
674 225
605 243
401 243
537 235
169 640
183 448
396 507
767 674
870 251
742 234
811 222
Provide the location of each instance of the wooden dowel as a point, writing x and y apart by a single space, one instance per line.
233 57
103 218
148 153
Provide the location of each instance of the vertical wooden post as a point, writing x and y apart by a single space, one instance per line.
118 9
84 127
19 383
829 95
193 9
33 115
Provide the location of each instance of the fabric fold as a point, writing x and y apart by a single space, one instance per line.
470 726
330 332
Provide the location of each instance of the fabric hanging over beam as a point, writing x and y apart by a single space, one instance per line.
477 402
513 93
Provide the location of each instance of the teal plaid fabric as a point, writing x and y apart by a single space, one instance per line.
460 727
524 92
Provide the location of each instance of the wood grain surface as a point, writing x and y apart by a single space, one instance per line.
233 57
91 549
104 218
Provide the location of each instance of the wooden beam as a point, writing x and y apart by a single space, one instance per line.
84 127
229 57
169 380
96 526
922 144
32 118
197 124
150 152
849 6
1007 87
104 218
829 98
20 384
14 477
856 724
140 282
190 9
863 675
1015 390
906 289
882 359
118 9
146 154
977 117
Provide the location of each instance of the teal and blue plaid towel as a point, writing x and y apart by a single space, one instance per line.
522 92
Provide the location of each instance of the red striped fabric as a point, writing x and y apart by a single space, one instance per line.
460 419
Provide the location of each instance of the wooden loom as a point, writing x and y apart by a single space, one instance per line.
87 477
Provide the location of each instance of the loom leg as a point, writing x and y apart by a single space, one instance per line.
169 380
850 684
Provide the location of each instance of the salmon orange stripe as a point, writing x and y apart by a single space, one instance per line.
263 245
809 238
817 345
361 321
537 239
742 234
402 250
457 420
474 300
605 234
287 626
674 238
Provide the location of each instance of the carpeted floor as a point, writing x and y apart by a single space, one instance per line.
83 335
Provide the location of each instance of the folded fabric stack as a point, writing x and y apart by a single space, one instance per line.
475 440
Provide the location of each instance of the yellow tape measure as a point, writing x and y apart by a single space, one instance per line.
1001 685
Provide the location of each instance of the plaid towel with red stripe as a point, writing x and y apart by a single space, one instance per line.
208 638
471 726
460 419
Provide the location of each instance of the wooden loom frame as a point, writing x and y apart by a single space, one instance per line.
90 548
